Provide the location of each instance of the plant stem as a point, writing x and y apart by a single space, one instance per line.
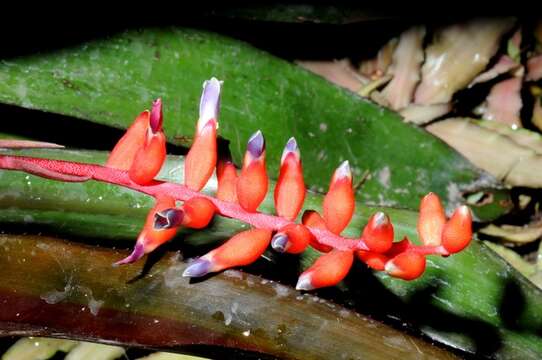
71 171
75 171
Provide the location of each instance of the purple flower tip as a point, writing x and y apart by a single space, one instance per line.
209 105
278 243
136 254
156 116
304 282
256 144
199 267
381 218
168 219
291 147
343 171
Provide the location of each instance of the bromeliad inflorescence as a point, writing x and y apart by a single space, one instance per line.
138 156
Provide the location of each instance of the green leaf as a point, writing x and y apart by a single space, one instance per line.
53 287
520 264
474 301
110 81
466 300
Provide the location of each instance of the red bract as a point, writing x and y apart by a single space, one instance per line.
226 175
431 220
157 230
293 239
290 188
242 249
339 201
328 270
378 233
373 260
457 232
252 182
124 152
198 212
138 157
151 154
142 150
452 235
407 265
312 219
201 159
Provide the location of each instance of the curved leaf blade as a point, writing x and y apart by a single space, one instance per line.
110 81
474 293
53 287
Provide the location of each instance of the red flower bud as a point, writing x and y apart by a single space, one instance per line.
226 175
431 220
312 219
149 159
378 233
374 260
339 201
242 249
123 154
457 232
253 182
399 247
198 212
292 239
201 158
328 270
156 119
290 188
142 150
153 234
407 265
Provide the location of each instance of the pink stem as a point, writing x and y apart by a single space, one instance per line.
63 170
74 171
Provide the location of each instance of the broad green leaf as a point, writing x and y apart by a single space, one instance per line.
462 300
54 287
525 268
110 81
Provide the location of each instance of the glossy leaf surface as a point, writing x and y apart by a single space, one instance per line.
110 81
475 292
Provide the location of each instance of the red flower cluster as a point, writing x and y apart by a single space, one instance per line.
140 153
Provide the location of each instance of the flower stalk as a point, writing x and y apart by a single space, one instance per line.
139 155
